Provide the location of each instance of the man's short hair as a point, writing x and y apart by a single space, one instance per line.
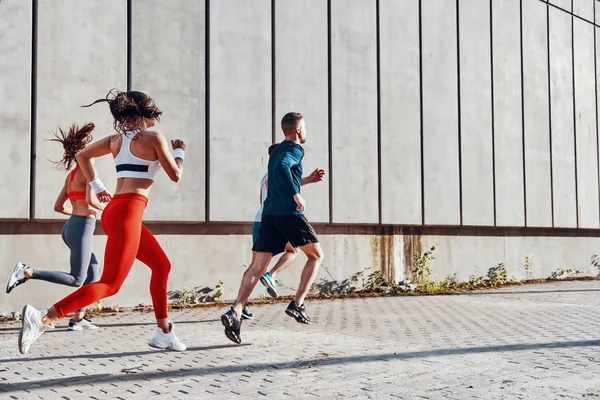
290 120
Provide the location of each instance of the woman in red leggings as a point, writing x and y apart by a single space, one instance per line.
139 153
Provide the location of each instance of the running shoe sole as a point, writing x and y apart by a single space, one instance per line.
82 329
162 348
299 318
228 331
270 289
21 331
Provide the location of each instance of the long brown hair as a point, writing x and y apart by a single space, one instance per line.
129 109
72 141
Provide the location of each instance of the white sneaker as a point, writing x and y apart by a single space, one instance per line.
17 277
168 341
32 327
85 324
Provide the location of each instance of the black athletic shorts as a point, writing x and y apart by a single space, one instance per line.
277 230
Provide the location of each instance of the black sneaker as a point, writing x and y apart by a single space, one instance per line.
246 314
298 312
85 324
232 326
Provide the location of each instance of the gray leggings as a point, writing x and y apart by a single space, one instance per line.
77 235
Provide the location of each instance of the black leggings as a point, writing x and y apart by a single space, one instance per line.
77 235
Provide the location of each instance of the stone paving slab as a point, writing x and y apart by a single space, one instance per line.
519 342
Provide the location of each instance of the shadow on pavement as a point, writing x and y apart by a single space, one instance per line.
237 368
115 355
60 328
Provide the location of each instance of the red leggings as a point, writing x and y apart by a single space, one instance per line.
127 240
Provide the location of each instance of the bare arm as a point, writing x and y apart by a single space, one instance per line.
84 160
91 198
316 176
95 150
59 205
172 166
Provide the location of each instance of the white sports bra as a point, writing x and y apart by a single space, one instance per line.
130 166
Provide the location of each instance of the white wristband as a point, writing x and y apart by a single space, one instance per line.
97 185
179 153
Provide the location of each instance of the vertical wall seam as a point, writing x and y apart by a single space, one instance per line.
523 117
596 102
33 117
460 180
421 114
550 114
329 111
207 110
492 109
129 36
378 47
574 118
273 76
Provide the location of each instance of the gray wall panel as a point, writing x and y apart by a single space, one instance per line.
400 112
158 55
440 113
585 128
584 9
301 85
563 142
82 53
507 113
15 113
240 106
537 130
354 111
476 113
564 4
597 65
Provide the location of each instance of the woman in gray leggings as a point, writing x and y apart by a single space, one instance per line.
78 231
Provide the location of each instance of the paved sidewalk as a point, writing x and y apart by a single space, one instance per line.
526 342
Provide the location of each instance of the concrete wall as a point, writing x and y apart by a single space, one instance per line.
15 113
202 260
508 113
400 112
476 131
81 54
536 114
157 55
424 113
354 111
198 261
561 121
550 254
441 163
301 78
437 120
240 105
586 130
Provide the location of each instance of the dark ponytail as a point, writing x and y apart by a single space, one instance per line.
129 109
72 141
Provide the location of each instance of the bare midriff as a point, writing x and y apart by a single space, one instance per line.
134 185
